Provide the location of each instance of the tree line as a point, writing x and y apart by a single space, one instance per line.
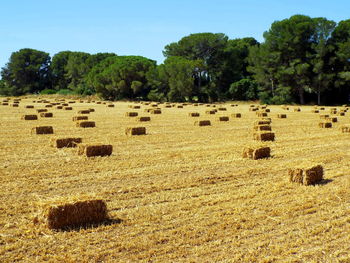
301 60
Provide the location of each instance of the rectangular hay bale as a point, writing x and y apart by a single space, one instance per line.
95 150
43 130
46 114
223 118
80 118
306 176
258 153
135 131
193 114
325 124
202 123
28 117
66 142
131 114
264 136
86 124
144 118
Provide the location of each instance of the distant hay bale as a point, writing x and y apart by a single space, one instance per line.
42 130
110 105
167 106
332 119
282 116
262 122
202 123
134 106
29 117
341 114
222 109
98 102
345 129
254 109
65 104
194 114
86 124
156 111
325 124
306 176
297 109
264 136
59 107
324 116
258 153
131 114
315 111
84 112
5 104
262 114
180 106
264 127
29 106
210 112
236 115
333 111
92 110
135 131
223 118
41 110
46 114
71 101
95 150
68 108
66 142
72 215
80 118
154 105
48 106
15 105
144 119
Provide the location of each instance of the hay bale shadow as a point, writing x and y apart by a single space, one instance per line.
324 182
107 222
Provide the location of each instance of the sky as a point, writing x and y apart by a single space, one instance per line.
142 27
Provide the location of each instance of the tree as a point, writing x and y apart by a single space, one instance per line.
245 89
119 77
27 72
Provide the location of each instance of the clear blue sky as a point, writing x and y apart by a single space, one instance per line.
142 27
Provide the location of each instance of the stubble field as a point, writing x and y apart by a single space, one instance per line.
181 193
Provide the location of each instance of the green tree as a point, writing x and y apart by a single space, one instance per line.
244 89
27 71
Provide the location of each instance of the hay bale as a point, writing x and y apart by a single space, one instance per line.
332 119
282 116
341 114
315 111
324 116
144 118
202 123
306 176
262 122
92 110
41 110
68 108
80 118
29 117
223 118
254 109
222 109
15 105
193 114
261 114
134 106
46 114
84 112
258 153
236 115
5 104
180 106
29 106
59 107
73 215
155 111
345 129
264 136
65 104
42 130
66 142
210 112
86 124
131 114
263 127
95 150
48 106
135 131
110 105
325 124
297 109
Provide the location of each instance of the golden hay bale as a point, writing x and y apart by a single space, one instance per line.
306 176
345 129
29 117
86 124
41 110
68 108
134 107
84 112
48 106
155 111
262 122
202 123
92 110
59 107
332 119
135 131
193 114
236 115
341 114
46 114
282 116
5 104
210 112
325 124
15 105
42 130
262 114
131 114
264 127
81 213
264 136
29 106
95 150
66 142
223 118
65 104
297 109
180 106
315 111
333 111
80 118
222 109
144 118
110 105
258 153
324 116
167 106
253 109
71 101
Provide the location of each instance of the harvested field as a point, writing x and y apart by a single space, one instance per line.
180 194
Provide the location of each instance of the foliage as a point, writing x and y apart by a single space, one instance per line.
244 89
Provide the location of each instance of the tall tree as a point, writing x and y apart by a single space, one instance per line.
27 71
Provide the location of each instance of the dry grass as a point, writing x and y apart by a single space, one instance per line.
182 193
